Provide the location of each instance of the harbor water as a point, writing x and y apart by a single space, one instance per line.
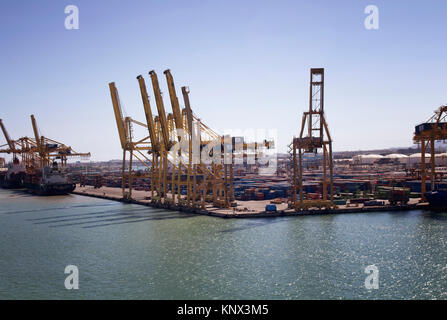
127 251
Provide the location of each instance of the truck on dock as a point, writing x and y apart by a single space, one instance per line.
395 195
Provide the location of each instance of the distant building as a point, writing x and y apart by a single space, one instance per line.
415 159
397 157
411 161
366 158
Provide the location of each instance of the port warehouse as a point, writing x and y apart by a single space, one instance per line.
355 177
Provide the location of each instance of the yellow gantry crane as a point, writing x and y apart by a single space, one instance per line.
39 151
21 146
435 129
173 151
10 143
318 137
47 150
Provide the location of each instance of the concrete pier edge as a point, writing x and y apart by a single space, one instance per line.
263 214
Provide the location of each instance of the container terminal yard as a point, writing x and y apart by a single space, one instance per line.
183 164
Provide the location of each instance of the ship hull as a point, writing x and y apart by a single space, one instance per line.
51 189
14 182
437 199
11 185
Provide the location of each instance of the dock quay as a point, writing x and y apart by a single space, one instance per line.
244 209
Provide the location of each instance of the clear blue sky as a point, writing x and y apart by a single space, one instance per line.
246 63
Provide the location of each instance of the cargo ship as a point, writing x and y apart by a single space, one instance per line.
437 199
14 177
49 181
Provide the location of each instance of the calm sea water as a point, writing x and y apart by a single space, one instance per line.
128 251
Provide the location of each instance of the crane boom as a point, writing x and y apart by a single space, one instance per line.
148 113
174 100
118 114
8 139
161 110
36 133
189 117
39 142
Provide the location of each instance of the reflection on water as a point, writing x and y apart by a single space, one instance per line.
136 252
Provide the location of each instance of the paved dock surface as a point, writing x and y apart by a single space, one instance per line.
244 209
